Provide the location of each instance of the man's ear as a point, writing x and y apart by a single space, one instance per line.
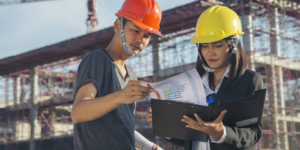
117 26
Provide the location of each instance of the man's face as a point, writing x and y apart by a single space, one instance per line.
136 37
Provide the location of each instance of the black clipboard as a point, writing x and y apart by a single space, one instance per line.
167 115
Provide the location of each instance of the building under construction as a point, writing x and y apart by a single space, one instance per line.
36 93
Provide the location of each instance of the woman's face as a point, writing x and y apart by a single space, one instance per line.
215 53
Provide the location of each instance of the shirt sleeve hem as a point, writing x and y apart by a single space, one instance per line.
86 82
221 140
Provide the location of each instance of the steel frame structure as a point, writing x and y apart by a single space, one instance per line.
48 68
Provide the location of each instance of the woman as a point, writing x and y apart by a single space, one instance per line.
222 66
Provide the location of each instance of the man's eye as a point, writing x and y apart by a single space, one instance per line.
218 45
136 31
147 36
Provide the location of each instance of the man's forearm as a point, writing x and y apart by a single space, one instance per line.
91 109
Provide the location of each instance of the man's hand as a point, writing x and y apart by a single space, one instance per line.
149 119
87 107
133 92
214 129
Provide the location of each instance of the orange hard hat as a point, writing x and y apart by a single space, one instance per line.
146 14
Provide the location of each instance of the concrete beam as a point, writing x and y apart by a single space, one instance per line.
289 118
273 59
44 100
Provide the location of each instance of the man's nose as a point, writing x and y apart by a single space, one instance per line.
140 38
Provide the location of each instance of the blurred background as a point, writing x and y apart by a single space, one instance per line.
42 43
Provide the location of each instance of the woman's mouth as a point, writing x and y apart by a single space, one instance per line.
212 60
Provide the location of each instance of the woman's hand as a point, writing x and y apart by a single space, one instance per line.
214 129
155 147
149 119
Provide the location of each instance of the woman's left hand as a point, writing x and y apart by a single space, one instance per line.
214 129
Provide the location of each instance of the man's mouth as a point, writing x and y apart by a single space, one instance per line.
135 47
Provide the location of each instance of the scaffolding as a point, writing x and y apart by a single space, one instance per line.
37 86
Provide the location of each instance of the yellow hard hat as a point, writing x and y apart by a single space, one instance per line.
217 23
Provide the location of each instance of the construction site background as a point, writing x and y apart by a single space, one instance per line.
36 87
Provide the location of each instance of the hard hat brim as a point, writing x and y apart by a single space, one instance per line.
209 38
147 28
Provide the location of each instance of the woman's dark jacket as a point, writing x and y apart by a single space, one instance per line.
237 138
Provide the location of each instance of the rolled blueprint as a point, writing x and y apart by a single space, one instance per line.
140 140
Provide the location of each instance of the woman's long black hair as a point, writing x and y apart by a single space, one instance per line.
238 62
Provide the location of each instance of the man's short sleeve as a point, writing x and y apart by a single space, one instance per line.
93 68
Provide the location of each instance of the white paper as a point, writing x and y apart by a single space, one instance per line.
185 87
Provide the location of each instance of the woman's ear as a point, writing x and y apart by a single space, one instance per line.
117 25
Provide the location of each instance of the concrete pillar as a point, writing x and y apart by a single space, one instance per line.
7 126
23 90
16 97
273 98
32 104
294 133
274 27
50 84
157 55
17 89
275 49
248 39
293 124
52 106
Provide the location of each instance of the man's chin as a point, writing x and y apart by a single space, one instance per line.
136 51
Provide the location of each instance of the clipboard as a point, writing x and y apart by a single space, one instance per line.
167 115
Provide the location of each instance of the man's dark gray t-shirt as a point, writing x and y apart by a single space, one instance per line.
115 130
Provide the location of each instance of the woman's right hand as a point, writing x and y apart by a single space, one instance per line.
149 119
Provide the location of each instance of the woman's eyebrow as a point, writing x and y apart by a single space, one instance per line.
216 42
213 42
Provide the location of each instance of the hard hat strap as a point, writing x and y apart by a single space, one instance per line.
126 47
235 41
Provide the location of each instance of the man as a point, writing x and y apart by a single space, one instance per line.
106 89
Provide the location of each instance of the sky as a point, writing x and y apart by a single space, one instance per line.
28 26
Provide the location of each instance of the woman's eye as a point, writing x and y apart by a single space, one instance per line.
204 46
218 45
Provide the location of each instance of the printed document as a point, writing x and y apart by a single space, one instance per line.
185 87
